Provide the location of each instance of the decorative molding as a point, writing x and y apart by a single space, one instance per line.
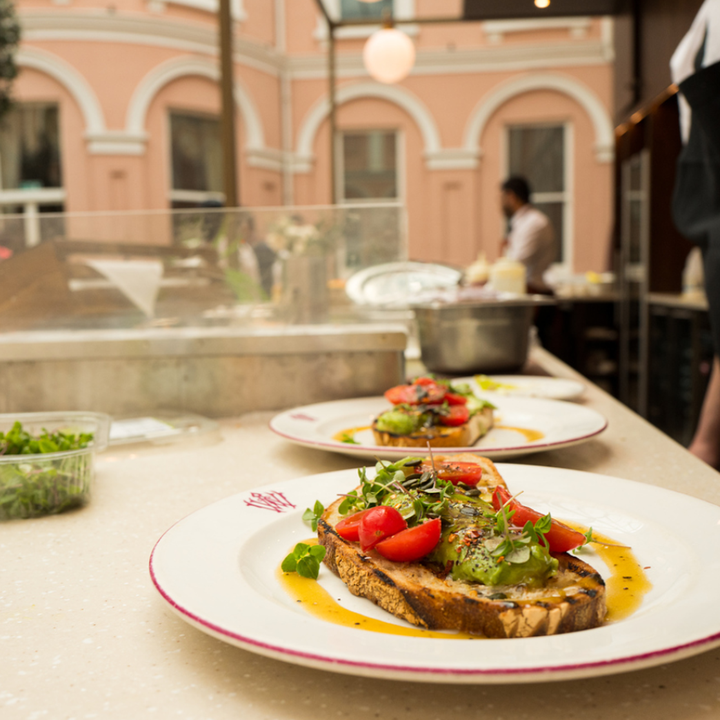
161 32
577 27
452 159
138 30
211 6
170 70
345 93
266 158
583 95
504 58
116 143
71 79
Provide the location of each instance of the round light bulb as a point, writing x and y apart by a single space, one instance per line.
389 55
538 3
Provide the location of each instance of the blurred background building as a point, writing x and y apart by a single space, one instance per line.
119 109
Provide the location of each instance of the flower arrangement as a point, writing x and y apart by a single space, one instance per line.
290 236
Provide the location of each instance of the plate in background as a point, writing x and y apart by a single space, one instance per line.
518 422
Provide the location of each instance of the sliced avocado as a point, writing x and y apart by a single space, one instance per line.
398 422
466 527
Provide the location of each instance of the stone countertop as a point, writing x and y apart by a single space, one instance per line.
85 635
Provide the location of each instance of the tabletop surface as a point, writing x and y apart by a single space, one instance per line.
84 634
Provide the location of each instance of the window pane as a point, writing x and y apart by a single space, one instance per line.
350 9
538 153
30 147
369 162
196 153
555 213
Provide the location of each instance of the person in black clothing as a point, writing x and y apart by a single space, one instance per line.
696 203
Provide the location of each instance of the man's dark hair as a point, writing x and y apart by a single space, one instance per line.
519 186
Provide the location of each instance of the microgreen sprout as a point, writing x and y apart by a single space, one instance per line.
311 517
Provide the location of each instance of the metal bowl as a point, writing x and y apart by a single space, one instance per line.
486 336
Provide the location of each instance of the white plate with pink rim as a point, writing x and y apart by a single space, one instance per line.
218 569
539 386
522 426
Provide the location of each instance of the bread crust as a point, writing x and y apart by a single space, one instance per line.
464 435
572 600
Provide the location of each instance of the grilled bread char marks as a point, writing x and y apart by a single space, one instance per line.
461 436
573 599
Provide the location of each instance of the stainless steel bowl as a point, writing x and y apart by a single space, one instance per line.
483 336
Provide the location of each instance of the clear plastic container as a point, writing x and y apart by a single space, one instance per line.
49 483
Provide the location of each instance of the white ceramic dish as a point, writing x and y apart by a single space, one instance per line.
217 570
394 283
549 388
561 425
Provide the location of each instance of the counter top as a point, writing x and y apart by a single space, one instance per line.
689 301
84 633
208 341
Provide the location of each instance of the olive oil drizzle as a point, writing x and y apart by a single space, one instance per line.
626 586
529 434
349 435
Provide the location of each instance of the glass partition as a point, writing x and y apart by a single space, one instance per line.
197 267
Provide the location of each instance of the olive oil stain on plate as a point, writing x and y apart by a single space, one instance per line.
626 586
348 436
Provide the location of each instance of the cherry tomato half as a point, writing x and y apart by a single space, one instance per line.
427 382
379 523
349 527
416 394
411 544
455 399
456 472
456 415
561 538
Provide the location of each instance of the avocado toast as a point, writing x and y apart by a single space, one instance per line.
484 576
432 412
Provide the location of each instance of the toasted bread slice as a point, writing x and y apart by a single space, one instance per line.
573 599
461 436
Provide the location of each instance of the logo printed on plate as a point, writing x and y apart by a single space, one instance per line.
302 416
272 500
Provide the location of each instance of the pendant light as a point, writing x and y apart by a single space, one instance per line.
389 54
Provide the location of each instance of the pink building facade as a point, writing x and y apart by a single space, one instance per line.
128 94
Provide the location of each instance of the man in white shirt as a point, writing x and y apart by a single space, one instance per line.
531 239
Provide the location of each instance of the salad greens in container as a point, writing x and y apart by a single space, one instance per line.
46 461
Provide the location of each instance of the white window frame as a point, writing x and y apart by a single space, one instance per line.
190 196
402 10
567 197
400 155
32 199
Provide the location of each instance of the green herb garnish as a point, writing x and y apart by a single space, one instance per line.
311 517
348 438
40 486
304 560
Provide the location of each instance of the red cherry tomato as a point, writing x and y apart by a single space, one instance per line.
379 523
426 381
349 527
456 415
454 399
456 472
411 544
415 394
561 538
